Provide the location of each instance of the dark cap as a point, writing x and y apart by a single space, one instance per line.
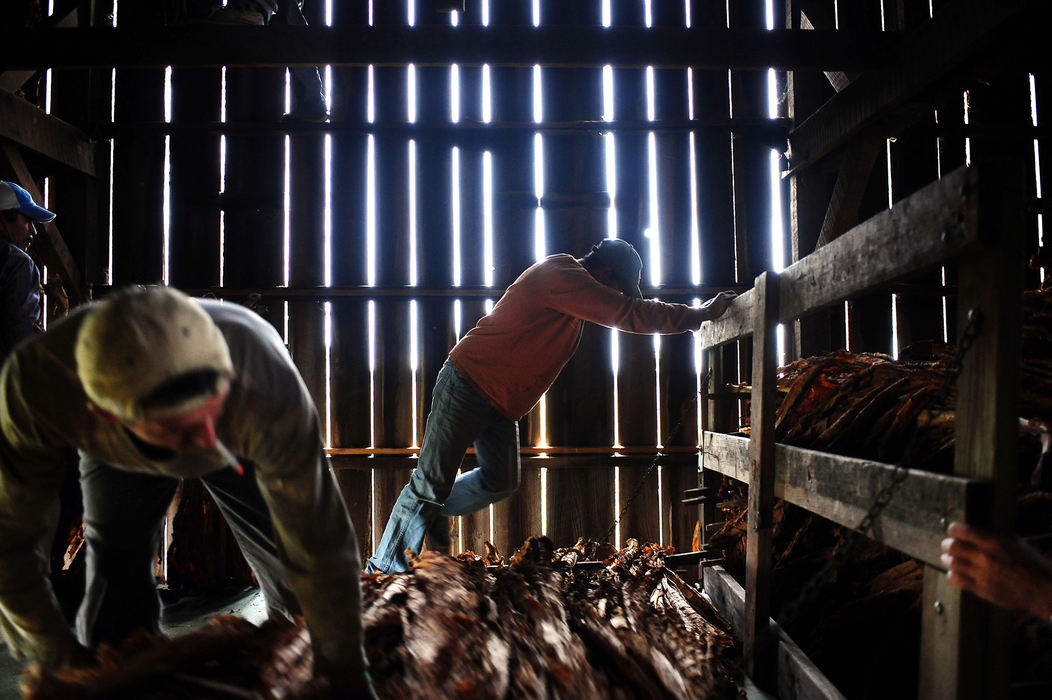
623 260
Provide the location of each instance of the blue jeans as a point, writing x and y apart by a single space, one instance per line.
307 90
123 515
459 417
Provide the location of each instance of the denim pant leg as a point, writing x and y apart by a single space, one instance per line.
496 477
123 516
458 415
307 87
242 505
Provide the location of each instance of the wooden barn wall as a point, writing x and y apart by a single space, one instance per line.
234 216
903 161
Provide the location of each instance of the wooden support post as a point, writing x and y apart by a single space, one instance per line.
715 416
964 642
759 650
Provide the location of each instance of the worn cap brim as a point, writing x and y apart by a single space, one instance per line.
36 212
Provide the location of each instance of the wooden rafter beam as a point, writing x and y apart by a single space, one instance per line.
961 33
207 45
851 180
819 15
48 136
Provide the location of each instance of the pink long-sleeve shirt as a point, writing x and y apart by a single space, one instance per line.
516 351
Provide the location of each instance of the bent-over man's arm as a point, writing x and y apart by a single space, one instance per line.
31 466
314 533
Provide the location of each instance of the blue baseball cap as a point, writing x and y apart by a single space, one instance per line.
14 197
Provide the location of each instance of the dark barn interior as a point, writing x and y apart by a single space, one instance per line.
866 174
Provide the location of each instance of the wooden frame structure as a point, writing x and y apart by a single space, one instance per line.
884 77
967 217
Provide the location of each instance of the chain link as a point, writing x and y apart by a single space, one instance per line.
813 587
881 501
654 463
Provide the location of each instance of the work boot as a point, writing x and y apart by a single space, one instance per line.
302 114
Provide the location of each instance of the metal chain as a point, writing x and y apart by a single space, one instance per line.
653 465
813 587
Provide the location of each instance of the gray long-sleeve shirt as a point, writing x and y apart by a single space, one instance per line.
20 299
268 419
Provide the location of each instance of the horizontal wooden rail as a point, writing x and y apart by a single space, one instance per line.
331 293
492 134
925 229
499 45
549 457
532 451
797 675
842 489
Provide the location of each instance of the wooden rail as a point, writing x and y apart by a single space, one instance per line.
935 224
387 45
970 217
841 489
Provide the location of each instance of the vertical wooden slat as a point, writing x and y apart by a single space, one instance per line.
96 242
195 234
435 207
81 98
718 415
712 161
1034 241
393 402
253 200
575 211
513 176
519 516
678 520
678 374
356 488
307 211
1043 106
307 261
350 378
870 316
138 164
914 163
752 183
636 381
759 645
474 527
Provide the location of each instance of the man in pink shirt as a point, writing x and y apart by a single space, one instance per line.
500 369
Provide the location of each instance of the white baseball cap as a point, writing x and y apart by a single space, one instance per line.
141 340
